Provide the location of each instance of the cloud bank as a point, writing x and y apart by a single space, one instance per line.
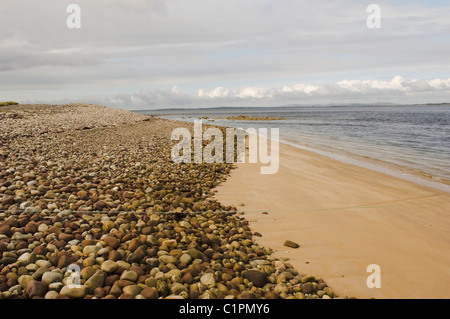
398 90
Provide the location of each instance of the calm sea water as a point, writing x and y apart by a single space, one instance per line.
412 139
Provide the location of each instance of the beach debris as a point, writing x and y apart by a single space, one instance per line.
291 244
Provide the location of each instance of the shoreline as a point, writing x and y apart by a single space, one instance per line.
346 217
345 156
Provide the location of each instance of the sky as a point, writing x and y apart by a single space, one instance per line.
155 54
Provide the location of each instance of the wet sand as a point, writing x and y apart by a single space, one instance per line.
345 218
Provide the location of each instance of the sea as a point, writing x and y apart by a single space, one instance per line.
408 141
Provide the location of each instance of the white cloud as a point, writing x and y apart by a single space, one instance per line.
218 92
254 93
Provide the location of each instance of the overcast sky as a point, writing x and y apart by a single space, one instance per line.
139 54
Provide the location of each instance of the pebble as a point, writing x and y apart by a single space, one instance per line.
36 289
74 292
109 266
291 244
208 280
51 276
129 275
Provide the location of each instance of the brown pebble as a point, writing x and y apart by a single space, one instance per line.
291 244
112 242
150 293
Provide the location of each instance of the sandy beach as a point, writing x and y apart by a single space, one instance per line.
345 218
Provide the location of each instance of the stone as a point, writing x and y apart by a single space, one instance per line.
87 272
24 281
258 278
167 259
64 261
66 237
187 278
112 241
150 293
95 281
108 225
308 288
51 276
91 249
7 260
281 288
5 230
178 288
31 227
291 244
109 266
129 275
132 290
208 280
43 228
36 289
74 292
42 263
185 259
51 294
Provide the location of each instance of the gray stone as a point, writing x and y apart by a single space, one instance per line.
185 259
208 280
51 276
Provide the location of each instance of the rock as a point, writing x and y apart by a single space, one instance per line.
36 289
258 278
208 280
7 260
185 259
24 280
51 276
64 261
167 259
150 293
66 237
31 228
51 294
308 288
40 250
43 228
112 241
291 244
5 230
108 225
109 266
132 290
99 206
95 281
129 275
91 249
41 263
178 288
281 288
87 272
74 292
